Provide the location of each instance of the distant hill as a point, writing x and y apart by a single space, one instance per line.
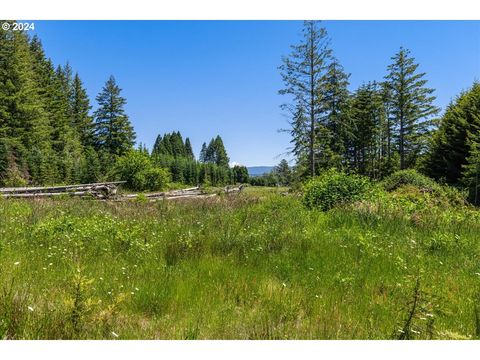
259 170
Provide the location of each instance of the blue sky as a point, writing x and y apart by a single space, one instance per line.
205 78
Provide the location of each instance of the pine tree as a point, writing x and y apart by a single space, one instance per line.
366 144
80 108
210 152
92 172
27 123
303 73
337 118
411 107
452 143
203 153
188 149
156 146
178 147
471 172
113 130
283 172
221 157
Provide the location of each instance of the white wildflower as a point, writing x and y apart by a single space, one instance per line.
115 334
16 263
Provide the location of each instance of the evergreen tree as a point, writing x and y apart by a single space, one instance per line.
210 152
188 149
156 146
337 117
80 108
411 107
203 153
452 143
113 131
221 157
178 147
26 122
471 173
240 174
368 115
283 172
303 74
92 172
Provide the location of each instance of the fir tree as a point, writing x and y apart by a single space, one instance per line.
188 149
471 173
451 144
113 131
283 172
303 73
221 157
411 107
337 118
203 153
80 108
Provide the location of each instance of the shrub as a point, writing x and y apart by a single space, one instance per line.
156 178
409 177
334 188
411 181
137 169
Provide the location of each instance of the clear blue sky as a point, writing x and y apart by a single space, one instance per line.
205 78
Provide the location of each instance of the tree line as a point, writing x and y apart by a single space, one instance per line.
49 134
380 127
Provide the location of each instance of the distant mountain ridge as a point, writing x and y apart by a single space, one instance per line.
259 170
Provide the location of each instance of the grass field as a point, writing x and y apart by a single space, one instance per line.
253 266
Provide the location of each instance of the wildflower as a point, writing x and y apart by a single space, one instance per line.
16 263
50 264
115 334
415 331
30 308
132 293
284 285
136 289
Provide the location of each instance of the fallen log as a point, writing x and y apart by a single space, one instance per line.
40 195
96 190
59 188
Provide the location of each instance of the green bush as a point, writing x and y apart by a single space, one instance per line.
137 169
409 177
334 188
156 178
404 181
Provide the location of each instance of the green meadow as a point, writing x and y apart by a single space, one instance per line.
258 265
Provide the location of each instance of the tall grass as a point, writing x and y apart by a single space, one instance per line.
254 266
